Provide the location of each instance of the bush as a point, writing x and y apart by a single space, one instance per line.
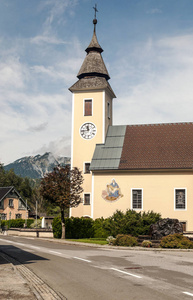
125 240
98 228
37 224
57 228
131 222
29 222
146 244
176 240
110 240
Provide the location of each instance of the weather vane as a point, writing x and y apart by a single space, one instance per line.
95 9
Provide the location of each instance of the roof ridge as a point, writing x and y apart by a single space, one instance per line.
160 124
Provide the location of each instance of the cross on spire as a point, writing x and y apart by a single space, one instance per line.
95 9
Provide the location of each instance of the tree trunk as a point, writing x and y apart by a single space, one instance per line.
63 231
63 224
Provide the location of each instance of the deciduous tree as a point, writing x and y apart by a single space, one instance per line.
63 187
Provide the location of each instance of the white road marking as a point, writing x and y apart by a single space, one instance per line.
189 294
6 241
35 247
82 259
55 252
20 244
126 273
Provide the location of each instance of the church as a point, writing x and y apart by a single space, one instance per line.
140 167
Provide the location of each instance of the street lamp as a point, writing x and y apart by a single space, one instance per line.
9 218
26 216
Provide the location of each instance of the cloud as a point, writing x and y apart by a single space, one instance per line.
154 11
47 39
157 86
55 15
39 127
58 147
12 74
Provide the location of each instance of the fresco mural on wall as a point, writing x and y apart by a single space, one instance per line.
112 191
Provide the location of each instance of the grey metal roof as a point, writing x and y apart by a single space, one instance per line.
107 156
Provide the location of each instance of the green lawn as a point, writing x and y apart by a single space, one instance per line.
91 241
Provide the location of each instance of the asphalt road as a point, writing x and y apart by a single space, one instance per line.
81 272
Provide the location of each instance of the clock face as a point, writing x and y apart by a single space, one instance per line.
88 131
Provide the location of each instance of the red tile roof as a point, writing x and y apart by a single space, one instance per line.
158 146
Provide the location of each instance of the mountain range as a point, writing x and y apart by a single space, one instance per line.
36 166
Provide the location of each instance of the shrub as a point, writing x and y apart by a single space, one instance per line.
131 222
57 228
98 228
110 240
29 222
176 240
125 240
37 224
146 244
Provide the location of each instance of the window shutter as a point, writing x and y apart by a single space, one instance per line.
88 107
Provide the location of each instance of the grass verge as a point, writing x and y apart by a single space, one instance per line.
90 241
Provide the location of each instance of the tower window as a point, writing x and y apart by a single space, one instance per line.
87 168
88 107
108 110
86 199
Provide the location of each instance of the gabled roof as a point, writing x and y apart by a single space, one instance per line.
4 191
153 146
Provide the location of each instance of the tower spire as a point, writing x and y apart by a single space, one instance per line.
96 10
95 19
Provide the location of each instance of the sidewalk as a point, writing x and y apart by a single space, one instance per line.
12 284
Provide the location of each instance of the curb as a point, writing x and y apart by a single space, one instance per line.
38 287
60 241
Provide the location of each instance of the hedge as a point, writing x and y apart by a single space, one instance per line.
129 223
16 223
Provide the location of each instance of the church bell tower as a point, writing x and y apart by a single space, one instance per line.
92 99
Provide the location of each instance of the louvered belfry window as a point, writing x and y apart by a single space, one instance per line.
137 199
180 198
88 107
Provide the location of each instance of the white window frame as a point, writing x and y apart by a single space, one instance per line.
84 106
84 196
134 189
84 169
180 209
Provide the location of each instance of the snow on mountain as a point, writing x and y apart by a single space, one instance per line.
36 166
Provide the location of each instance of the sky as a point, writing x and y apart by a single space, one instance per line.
148 51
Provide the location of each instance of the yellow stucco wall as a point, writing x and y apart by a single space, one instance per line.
82 150
158 194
